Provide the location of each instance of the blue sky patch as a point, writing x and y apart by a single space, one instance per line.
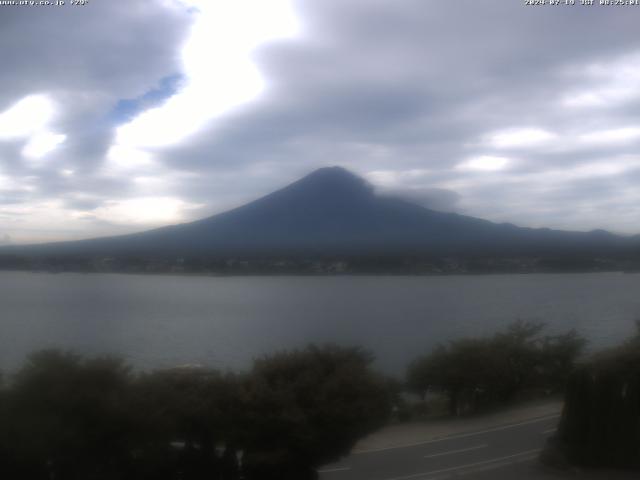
128 108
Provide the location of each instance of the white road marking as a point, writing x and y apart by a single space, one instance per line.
332 470
498 460
551 430
452 452
462 435
486 468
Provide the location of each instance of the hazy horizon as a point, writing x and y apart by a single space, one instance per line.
375 192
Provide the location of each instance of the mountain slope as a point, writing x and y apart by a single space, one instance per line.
332 211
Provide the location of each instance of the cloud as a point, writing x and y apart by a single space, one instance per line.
438 199
195 107
484 163
42 143
142 210
613 136
609 83
520 138
219 73
26 117
60 87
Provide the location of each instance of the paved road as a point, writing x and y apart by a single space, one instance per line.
503 452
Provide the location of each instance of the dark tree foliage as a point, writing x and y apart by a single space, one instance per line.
478 372
4 439
600 425
66 417
185 420
309 407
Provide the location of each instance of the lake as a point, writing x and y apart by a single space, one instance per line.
160 321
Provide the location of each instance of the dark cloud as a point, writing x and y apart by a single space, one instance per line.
110 49
434 198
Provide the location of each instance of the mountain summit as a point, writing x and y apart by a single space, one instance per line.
334 212
336 180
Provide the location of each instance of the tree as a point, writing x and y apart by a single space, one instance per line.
558 357
70 418
600 423
5 456
476 372
183 416
309 407
67 418
465 370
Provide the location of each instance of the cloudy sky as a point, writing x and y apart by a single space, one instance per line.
119 116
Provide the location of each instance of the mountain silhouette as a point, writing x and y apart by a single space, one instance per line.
332 211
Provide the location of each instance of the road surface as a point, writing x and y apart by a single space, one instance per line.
500 452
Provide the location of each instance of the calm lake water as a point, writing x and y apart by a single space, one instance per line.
159 321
